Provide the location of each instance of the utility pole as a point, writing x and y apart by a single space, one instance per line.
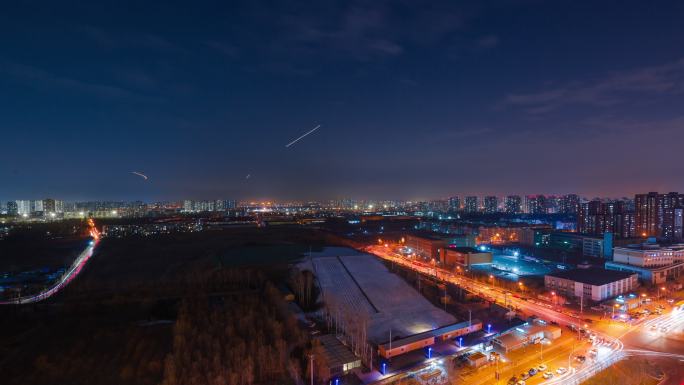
582 303
311 357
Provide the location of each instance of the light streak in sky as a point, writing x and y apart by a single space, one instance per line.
301 137
139 174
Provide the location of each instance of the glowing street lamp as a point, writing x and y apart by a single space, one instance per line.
429 352
489 328
460 342
384 368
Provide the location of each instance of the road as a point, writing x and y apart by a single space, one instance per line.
611 350
73 271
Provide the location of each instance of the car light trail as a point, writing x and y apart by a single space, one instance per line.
69 276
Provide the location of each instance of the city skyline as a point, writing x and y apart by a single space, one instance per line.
413 100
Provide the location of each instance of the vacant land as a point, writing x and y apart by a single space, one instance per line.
632 371
42 246
119 322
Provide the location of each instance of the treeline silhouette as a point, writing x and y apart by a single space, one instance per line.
240 340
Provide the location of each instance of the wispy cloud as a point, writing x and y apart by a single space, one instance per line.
120 40
39 78
616 88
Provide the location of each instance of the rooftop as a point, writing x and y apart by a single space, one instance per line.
653 246
468 250
593 276
336 353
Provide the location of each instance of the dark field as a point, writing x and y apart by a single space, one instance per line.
116 323
33 247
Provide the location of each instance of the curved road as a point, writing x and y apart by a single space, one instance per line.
611 351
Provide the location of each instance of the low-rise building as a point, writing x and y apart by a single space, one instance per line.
338 358
464 257
428 338
592 283
527 334
653 263
425 245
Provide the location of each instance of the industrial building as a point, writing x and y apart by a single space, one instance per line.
591 284
428 338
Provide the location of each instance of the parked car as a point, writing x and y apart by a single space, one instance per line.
561 370
524 375
547 375
541 368
532 371
513 380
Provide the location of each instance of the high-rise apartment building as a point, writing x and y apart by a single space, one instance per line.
471 205
568 204
659 215
513 204
49 206
12 208
23 207
597 217
535 204
491 204
455 203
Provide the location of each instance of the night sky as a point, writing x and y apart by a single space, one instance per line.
415 99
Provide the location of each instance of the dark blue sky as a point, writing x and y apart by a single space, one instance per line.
415 99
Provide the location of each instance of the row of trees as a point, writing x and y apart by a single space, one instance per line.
350 324
244 340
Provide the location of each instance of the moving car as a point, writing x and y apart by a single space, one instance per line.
547 375
561 370
541 367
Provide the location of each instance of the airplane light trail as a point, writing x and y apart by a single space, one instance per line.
139 174
301 137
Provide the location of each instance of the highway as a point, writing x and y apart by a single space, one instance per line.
611 350
73 271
